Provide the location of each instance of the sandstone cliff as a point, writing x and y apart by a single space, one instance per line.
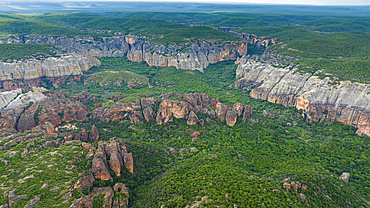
195 56
348 103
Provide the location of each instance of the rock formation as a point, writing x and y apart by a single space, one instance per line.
198 57
118 155
35 109
76 57
347 102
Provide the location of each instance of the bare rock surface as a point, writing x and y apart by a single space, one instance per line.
347 102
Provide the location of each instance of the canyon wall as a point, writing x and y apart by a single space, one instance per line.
78 54
348 103
194 56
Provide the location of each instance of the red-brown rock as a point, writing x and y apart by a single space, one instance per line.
194 133
99 165
129 162
94 134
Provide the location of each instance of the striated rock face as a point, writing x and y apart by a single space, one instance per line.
198 57
172 108
74 64
238 108
7 97
347 102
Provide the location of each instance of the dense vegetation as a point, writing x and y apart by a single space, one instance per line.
21 27
243 165
193 33
96 22
246 162
24 51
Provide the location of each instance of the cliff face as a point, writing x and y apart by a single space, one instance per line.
78 55
348 103
74 64
197 56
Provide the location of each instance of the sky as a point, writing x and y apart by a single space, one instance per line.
304 2
312 2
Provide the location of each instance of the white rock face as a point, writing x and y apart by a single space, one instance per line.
348 103
6 97
51 67
24 100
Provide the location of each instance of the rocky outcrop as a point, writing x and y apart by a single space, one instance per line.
33 202
118 155
35 109
99 164
84 183
346 102
87 201
7 97
94 134
116 112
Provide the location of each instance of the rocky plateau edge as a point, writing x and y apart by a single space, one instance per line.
80 52
348 103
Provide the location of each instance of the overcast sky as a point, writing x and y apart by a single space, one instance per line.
314 2
306 2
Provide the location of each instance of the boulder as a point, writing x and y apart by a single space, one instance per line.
345 177
303 198
94 134
221 110
238 108
194 133
231 117
148 113
192 119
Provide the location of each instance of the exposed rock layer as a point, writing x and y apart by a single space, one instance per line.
348 103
